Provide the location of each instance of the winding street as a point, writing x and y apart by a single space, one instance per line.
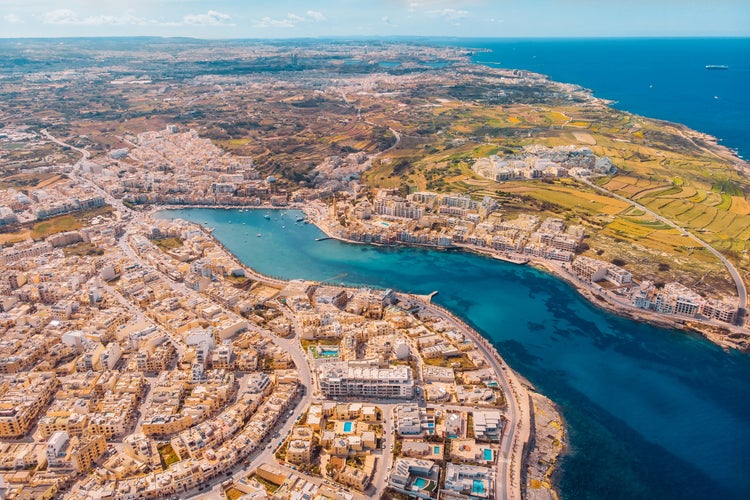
739 283
517 432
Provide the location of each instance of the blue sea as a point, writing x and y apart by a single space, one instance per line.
651 413
658 78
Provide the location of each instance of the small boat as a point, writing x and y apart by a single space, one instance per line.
300 219
258 235
717 66
267 216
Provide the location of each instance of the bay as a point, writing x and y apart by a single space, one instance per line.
651 413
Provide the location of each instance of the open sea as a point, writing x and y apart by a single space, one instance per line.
651 413
658 78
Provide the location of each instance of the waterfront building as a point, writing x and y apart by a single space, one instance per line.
591 270
675 298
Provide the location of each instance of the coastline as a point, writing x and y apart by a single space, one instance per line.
602 300
500 50
515 386
715 333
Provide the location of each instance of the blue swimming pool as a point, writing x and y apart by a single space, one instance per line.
487 454
420 482
347 426
436 450
477 486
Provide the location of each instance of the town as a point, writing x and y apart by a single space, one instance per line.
140 359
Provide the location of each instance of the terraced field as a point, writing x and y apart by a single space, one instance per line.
673 171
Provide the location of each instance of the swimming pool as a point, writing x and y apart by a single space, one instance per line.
487 454
420 482
347 426
477 486
436 450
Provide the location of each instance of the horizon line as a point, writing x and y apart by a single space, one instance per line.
386 37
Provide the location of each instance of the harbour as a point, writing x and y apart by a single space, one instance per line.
618 382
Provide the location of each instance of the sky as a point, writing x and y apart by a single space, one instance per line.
368 18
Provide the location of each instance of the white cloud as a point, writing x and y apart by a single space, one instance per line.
295 18
267 22
12 19
290 21
210 18
316 16
449 14
67 16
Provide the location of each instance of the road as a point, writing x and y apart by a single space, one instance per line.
738 281
85 155
516 435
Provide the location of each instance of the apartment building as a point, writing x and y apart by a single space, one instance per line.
21 404
365 379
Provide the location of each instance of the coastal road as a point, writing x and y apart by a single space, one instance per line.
516 435
736 276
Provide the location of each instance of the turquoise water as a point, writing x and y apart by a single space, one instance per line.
477 486
436 450
329 353
651 413
420 483
347 427
487 453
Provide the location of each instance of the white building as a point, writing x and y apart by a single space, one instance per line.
488 425
411 420
365 379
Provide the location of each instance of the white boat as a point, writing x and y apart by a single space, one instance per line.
258 235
